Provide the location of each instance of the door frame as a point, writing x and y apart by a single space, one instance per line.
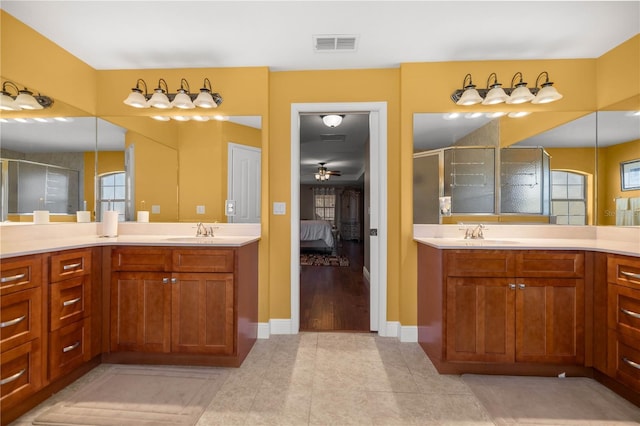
377 209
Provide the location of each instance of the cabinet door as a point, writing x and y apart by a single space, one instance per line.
202 313
140 312
480 324
550 320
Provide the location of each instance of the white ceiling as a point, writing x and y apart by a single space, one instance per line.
111 35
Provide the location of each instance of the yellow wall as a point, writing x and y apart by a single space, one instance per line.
328 86
414 87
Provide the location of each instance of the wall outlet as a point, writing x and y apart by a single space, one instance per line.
230 207
155 209
199 209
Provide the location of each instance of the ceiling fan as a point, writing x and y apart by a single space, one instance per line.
323 173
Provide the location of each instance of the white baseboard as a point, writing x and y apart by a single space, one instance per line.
407 333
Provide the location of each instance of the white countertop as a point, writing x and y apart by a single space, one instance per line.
624 241
32 239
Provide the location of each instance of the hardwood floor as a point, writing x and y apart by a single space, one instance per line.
335 298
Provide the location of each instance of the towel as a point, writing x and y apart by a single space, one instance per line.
622 204
624 218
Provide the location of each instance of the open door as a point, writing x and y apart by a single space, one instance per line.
243 182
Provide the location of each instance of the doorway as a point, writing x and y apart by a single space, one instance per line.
376 208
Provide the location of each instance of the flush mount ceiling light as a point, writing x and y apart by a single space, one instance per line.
23 98
182 99
516 94
332 120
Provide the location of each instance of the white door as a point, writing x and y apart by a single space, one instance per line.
244 183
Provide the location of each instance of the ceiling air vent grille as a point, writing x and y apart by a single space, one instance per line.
335 43
332 138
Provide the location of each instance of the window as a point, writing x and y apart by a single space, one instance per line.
568 198
112 194
324 201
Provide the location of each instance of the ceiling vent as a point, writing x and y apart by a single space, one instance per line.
332 138
335 43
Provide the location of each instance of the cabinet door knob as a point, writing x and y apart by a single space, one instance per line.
512 286
174 280
631 363
12 322
13 378
165 281
521 286
630 274
630 313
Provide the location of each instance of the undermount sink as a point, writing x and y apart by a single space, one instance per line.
480 242
195 240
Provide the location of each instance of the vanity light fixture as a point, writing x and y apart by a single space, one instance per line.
23 98
332 120
518 114
183 98
516 94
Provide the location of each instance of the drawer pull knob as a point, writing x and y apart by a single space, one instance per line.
72 301
631 363
12 322
630 274
70 347
13 378
12 278
630 313
71 266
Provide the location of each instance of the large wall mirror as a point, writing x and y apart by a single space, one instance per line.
186 171
571 173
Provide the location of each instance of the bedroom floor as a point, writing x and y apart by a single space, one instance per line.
335 298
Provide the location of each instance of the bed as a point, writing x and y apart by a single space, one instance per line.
316 235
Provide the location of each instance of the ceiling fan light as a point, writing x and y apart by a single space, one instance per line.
332 120
520 95
470 96
182 101
495 96
205 100
547 94
25 100
136 99
7 103
159 100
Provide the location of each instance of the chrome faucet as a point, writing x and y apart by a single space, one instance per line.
201 230
474 233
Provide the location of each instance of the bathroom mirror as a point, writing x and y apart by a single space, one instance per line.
178 171
532 154
48 161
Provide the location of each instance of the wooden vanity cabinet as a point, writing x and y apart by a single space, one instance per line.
21 329
183 301
623 349
69 311
502 306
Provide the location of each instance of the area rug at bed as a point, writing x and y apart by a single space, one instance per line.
139 395
323 260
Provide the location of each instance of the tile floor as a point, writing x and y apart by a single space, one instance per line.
344 379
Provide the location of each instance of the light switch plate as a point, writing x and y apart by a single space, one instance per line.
279 208
199 209
155 209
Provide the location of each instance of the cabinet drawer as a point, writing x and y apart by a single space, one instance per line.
624 270
70 301
20 317
20 273
20 373
69 347
203 260
69 264
624 360
141 259
624 311
549 264
479 263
